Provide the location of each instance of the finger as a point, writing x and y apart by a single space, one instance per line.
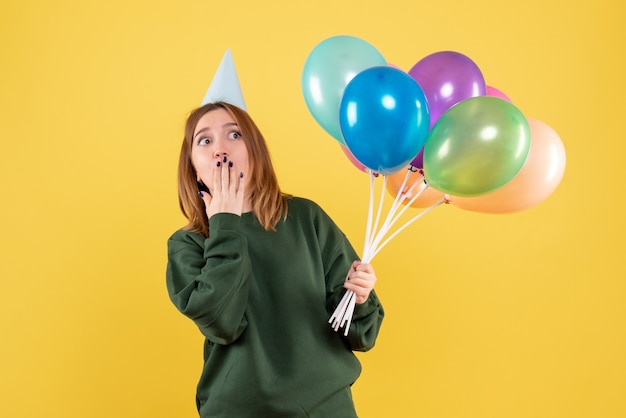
206 199
360 274
224 174
361 295
232 178
359 284
217 180
241 186
358 289
366 267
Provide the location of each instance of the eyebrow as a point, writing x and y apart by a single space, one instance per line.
226 125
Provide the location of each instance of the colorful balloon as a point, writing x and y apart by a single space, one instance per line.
536 181
353 159
418 161
328 69
476 147
384 119
427 198
492 91
447 77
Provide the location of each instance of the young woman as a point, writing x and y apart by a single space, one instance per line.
260 272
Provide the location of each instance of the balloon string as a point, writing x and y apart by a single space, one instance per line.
343 310
391 219
342 316
371 243
400 196
339 313
347 318
410 202
424 186
368 228
378 213
418 182
409 222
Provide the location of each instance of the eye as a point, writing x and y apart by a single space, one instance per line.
234 135
205 140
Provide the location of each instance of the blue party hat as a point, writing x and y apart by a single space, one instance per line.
225 84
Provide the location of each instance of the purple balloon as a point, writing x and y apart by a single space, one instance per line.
418 161
447 77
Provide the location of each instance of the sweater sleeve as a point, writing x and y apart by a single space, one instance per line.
207 278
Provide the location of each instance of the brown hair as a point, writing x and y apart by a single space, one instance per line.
269 204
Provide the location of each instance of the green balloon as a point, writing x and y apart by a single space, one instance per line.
329 68
476 147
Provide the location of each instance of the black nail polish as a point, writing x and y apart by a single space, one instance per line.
230 164
201 194
241 175
218 163
225 159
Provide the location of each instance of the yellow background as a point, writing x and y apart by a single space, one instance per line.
519 315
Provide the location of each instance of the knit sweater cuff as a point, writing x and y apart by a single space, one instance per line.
224 220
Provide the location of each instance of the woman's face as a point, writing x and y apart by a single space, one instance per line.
217 136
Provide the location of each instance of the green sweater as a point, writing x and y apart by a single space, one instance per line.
262 299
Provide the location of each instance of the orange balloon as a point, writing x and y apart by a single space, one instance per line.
428 197
539 177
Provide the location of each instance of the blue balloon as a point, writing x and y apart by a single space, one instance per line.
384 118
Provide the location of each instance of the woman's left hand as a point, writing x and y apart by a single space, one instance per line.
361 280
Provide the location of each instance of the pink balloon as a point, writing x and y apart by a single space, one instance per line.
492 91
539 177
353 159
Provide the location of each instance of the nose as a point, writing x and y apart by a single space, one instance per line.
220 150
219 154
